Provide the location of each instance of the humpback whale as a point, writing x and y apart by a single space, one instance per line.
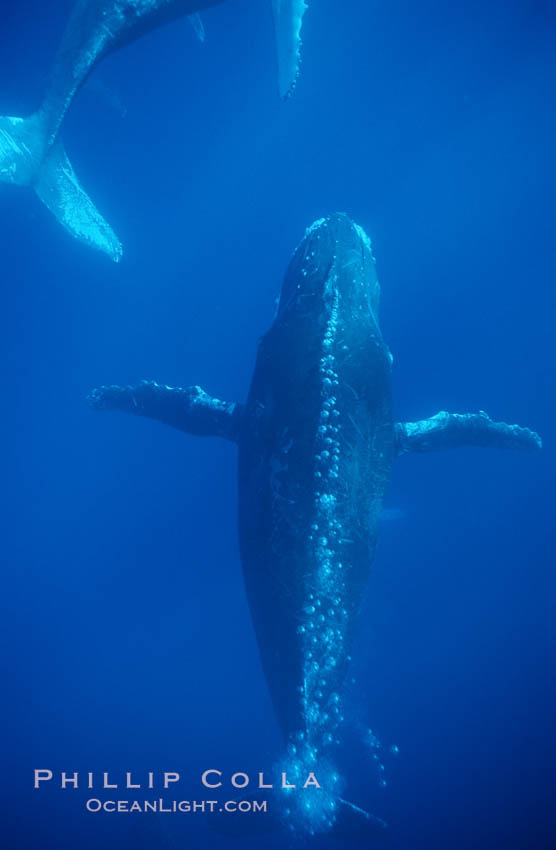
317 440
31 151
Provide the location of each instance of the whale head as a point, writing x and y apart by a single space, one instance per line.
333 261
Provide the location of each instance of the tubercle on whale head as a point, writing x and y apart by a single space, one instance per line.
334 256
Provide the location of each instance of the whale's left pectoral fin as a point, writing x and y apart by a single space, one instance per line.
452 430
59 189
288 18
188 409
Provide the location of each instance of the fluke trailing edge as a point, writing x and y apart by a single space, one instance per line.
316 440
31 151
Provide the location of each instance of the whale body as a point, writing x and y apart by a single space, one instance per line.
315 455
31 151
317 440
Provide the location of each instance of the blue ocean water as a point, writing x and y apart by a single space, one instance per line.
127 638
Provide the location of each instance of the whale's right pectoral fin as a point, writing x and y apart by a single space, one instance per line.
452 430
189 409
59 189
288 17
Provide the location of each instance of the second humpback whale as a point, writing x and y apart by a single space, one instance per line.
317 440
31 151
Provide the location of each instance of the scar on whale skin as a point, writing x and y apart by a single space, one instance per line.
31 150
317 440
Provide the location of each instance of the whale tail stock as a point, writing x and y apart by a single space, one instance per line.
27 160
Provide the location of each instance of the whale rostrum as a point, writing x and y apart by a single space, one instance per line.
31 150
317 440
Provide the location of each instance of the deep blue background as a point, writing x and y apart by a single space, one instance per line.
127 636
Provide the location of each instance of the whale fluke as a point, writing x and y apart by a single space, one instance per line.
288 17
96 28
26 160
60 190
